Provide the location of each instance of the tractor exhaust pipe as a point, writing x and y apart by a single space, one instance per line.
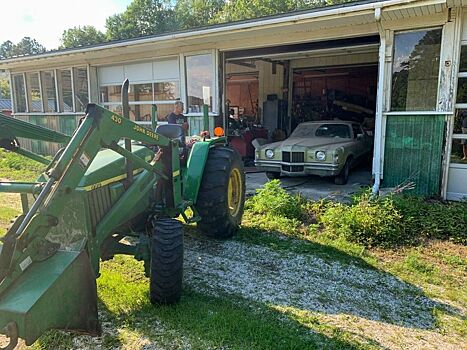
126 114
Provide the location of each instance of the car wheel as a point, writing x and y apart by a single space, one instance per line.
343 177
272 175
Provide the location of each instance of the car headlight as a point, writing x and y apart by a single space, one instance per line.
269 153
321 155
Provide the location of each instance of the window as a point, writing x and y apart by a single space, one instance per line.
151 83
333 130
415 70
199 81
49 92
80 79
19 93
65 90
34 92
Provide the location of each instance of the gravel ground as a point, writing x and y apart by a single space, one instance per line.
367 302
371 304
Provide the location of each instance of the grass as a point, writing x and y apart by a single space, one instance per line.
433 271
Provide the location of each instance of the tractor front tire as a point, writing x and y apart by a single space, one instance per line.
221 196
166 261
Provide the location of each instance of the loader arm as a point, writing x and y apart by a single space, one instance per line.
26 249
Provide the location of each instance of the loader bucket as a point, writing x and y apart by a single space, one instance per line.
57 293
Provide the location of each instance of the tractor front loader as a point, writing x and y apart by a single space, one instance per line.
116 188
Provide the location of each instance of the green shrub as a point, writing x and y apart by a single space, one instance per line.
371 222
274 200
433 219
16 167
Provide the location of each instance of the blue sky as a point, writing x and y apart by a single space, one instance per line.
45 20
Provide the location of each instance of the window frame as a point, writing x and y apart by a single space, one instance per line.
391 110
215 82
58 90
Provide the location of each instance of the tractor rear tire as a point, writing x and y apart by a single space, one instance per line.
221 195
166 261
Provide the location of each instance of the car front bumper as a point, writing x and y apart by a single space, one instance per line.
298 169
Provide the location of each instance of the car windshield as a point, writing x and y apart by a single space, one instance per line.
333 130
304 130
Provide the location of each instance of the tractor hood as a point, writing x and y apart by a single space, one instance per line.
109 166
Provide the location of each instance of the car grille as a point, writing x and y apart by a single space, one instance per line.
293 157
293 168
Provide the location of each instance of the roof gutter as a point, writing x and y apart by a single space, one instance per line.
239 26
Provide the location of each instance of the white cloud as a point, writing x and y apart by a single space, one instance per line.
45 20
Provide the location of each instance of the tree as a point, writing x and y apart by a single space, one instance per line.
81 36
6 49
4 88
197 13
142 17
27 46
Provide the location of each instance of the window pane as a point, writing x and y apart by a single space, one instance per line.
66 93
80 79
459 151
461 90
415 70
140 92
115 108
167 91
199 77
111 93
163 111
140 113
460 121
34 92
463 60
19 93
48 88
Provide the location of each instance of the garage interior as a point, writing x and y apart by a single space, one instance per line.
270 91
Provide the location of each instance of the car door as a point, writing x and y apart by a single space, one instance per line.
359 140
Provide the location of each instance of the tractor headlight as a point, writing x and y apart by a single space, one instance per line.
269 153
321 155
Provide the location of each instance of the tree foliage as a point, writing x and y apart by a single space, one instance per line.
197 13
142 17
4 88
81 36
27 46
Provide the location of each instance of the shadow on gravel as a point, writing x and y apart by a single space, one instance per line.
200 321
317 279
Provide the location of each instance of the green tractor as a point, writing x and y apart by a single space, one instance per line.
116 188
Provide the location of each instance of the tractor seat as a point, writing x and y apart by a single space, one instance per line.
172 131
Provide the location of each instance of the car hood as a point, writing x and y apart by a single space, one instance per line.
306 142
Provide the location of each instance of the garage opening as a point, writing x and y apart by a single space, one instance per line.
291 104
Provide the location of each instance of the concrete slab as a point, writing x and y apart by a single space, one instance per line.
314 187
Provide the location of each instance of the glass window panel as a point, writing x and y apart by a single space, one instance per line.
163 111
19 93
461 90
169 90
111 93
460 121
140 92
199 78
415 70
48 89
34 92
80 80
140 113
463 60
459 151
65 90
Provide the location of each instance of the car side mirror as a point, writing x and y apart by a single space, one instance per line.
360 136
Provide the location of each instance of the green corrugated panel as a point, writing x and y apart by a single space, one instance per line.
65 124
413 152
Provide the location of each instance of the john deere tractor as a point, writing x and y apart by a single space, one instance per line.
116 188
